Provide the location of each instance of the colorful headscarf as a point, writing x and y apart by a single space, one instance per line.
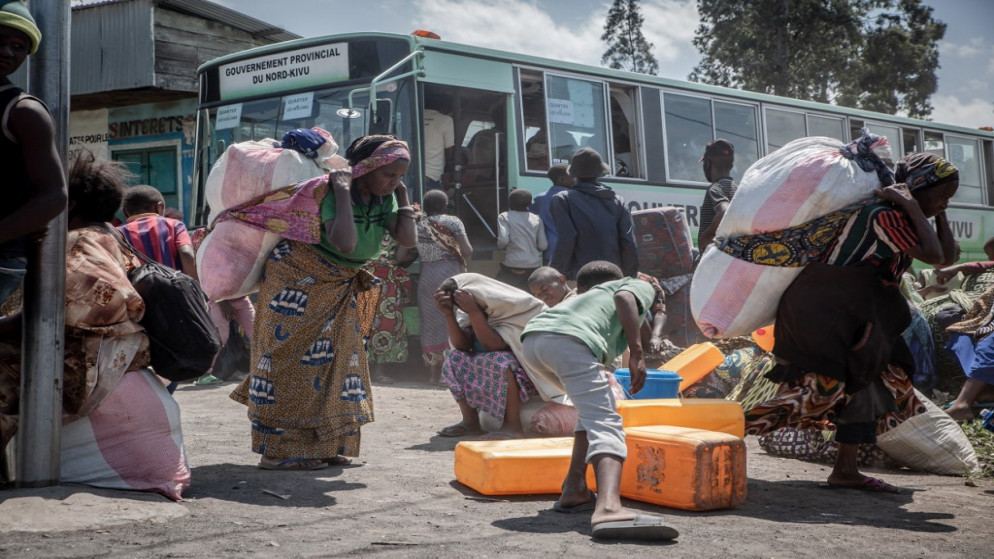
384 154
923 169
867 152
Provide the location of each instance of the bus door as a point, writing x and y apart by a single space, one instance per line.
476 179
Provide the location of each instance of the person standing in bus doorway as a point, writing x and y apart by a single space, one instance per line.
542 204
592 221
440 140
34 184
718 158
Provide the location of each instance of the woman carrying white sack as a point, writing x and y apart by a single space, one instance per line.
839 351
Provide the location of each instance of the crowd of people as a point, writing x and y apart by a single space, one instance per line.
567 303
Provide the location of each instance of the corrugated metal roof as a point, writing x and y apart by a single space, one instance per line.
210 10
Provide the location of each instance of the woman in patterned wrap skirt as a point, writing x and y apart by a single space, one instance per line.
308 393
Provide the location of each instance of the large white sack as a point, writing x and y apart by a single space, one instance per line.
232 256
805 179
930 442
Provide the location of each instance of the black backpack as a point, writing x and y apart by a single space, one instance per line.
182 338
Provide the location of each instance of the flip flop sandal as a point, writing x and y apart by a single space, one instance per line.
642 527
338 460
869 484
458 430
589 506
296 464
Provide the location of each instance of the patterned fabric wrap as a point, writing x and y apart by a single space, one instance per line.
479 379
385 154
867 152
388 339
308 392
923 169
720 382
792 247
293 212
818 397
443 236
979 321
305 141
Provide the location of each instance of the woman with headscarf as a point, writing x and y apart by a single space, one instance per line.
839 351
484 318
443 250
308 392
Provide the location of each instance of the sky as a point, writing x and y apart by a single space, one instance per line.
570 30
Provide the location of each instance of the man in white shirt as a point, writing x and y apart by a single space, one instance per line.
440 138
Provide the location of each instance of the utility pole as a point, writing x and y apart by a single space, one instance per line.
43 343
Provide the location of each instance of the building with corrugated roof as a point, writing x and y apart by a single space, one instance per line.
133 81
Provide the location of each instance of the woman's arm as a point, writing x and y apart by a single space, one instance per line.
945 233
465 249
458 337
479 321
405 229
929 248
341 231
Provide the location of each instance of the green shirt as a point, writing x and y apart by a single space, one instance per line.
592 317
370 224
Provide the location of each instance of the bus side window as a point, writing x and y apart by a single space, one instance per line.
624 133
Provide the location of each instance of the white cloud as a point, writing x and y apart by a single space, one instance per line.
972 47
524 26
513 25
972 113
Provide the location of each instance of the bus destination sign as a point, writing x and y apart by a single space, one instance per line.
286 70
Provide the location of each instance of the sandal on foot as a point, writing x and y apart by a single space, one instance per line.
869 484
338 460
296 464
458 430
642 527
574 509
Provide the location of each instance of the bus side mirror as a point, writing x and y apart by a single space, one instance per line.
382 123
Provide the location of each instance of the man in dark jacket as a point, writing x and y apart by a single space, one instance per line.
592 221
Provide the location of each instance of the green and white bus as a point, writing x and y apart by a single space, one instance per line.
515 115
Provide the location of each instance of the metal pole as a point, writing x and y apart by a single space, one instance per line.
43 344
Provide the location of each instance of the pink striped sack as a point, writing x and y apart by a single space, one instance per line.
232 255
131 441
805 179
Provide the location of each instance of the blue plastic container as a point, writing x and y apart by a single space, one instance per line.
658 384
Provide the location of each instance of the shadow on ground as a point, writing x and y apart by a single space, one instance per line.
250 485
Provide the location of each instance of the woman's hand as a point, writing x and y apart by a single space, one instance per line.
340 180
467 302
897 194
444 301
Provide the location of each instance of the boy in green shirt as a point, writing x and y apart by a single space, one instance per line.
570 345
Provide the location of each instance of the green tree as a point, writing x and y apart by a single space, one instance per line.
879 55
627 48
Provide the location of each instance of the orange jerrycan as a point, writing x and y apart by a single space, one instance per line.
695 362
514 467
697 413
689 469
764 338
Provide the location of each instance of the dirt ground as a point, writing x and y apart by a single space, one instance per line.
400 499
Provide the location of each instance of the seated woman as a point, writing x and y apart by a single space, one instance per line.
972 344
484 319
105 348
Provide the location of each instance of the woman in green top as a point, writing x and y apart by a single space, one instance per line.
308 393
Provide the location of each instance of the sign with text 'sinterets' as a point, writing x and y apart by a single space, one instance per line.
287 70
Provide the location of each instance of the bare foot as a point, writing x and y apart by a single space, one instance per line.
961 413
